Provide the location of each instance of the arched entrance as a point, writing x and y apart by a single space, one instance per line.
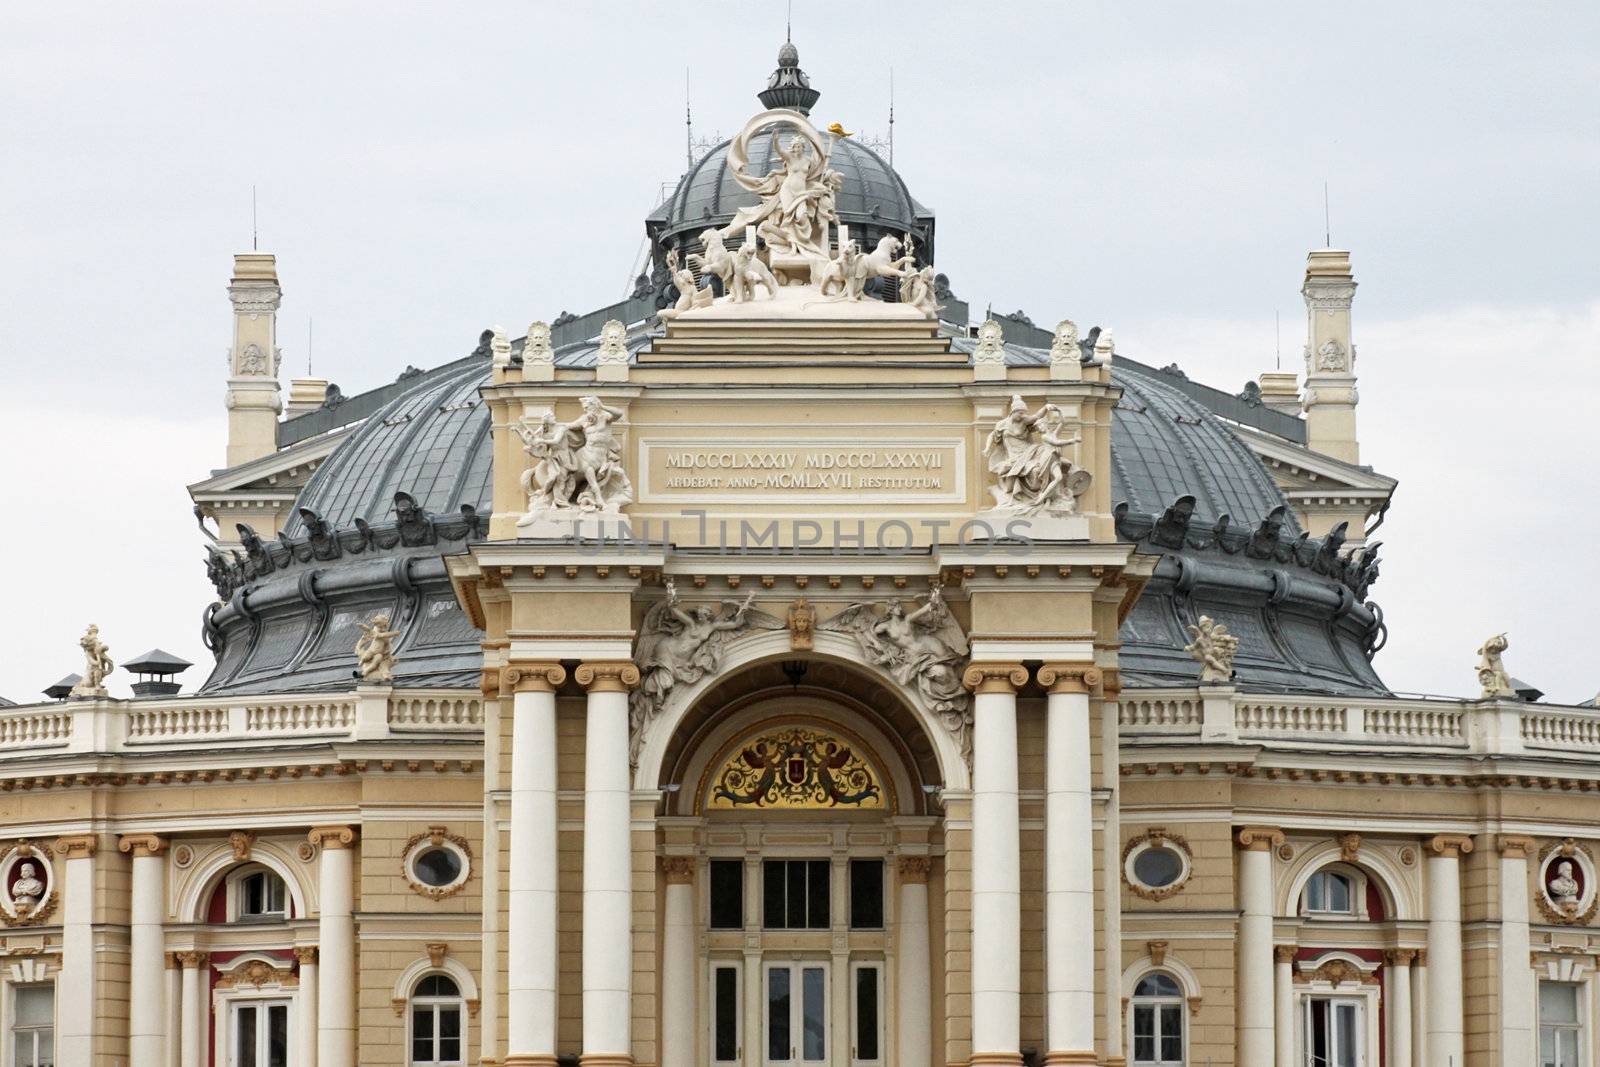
799 845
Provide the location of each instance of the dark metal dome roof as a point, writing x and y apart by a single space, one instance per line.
873 198
432 443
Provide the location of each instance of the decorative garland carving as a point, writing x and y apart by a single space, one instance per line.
434 837
1337 972
1157 837
1575 913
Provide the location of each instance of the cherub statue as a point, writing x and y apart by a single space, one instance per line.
924 648
96 664
28 888
1492 674
375 649
1214 647
678 645
1564 888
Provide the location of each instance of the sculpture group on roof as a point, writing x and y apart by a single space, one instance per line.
1027 454
577 466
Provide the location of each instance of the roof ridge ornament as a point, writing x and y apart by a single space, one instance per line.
787 86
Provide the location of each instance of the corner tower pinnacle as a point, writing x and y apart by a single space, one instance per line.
253 401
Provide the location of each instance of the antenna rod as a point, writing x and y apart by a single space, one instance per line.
891 118
1327 218
254 245
688 122
310 323
1277 329
788 23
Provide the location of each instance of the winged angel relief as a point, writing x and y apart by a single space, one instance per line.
679 645
924 648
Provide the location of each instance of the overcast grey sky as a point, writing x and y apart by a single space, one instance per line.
425 170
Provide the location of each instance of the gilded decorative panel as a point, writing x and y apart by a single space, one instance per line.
797 768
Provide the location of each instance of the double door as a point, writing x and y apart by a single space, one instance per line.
798 1015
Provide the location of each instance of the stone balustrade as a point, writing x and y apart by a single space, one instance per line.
131 726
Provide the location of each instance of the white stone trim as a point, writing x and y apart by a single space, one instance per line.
193 891
747 649
1397 888
421 967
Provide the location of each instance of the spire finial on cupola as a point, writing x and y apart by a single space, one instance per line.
789 87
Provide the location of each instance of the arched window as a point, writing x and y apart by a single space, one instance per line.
436 1032
251 894
1157 1021
1330 893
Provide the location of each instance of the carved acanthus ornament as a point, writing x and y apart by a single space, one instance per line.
258 973
924 649
915 869
1285 953
679 870
1337 972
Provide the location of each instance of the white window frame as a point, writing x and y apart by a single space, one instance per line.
226 1034
236 895
434 1003
856 967
796 969
1179 999
11 988
1583 993
1365 1024
737 967
1358 894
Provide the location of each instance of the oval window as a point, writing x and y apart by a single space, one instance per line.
1158 866
437 867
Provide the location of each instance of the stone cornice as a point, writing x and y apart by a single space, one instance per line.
1004 678
332 837
534 677
1068 677
607 676
1259 838
142 844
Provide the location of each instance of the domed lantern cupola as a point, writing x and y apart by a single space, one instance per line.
789 87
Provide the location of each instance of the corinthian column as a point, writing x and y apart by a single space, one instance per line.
147 963
196 1018
532 960
677 964
996 865
1068 879
1518 1024
306 1024
1446 1021
1400 1005
607 867
1255 1041
1283 1005
913 989
336 934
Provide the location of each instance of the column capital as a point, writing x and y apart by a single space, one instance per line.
678 869
1422 957
995 678
1450 846
1068 677
533 677
332 837
914 869
306 955
607 676
77 847
1400 957
142 844
1517 846
1285 953
1259 838
192 960
171 960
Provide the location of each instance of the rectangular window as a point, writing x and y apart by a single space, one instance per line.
33 1014
1560 1031
725 1014
778 1011
1334 1032
814 1014
795 894
261 1034
866 894
867 1030
727 894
